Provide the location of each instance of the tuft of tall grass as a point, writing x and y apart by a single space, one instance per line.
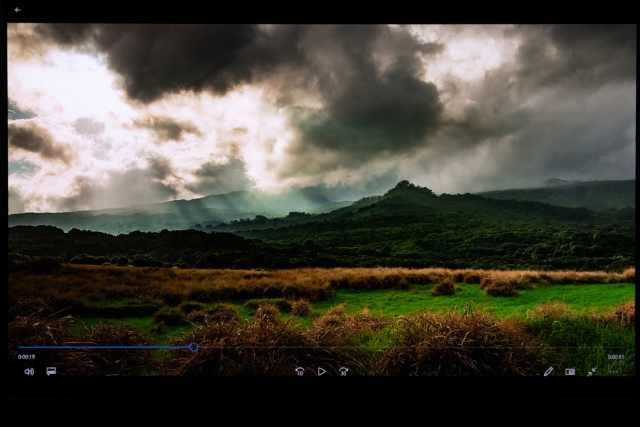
459 345
501 288
300 308
37 330
446 287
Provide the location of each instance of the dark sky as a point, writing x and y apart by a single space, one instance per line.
206 109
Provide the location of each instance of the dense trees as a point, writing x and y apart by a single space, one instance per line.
408 226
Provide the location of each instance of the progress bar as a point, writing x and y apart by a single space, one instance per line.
193 347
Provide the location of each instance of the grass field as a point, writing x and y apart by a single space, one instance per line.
575 318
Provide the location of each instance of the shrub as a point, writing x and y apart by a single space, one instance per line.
628 275
301 308
502 289
551 310
459 345
446 287
472 276
267 312
189 306
264 346
170 316
268 346
223 313
331 317
37 330
197 316
120 362
336 327
486 281
625 314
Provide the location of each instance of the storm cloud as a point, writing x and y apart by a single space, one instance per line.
155 59
564 106
364 105
32 138
366 77
576 55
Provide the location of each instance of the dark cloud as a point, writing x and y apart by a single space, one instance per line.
166 128
366 76
155 59
563 106
35 139
576 54
374 99
561 140
88 127
217 178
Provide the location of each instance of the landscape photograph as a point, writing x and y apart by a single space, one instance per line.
309 200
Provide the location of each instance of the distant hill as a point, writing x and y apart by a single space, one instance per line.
410 225
199 213
595 195
406 226
409 200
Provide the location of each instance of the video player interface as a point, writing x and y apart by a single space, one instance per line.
321 200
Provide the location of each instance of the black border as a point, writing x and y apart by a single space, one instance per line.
325 12
289 391
304 389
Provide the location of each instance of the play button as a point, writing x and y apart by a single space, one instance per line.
321 372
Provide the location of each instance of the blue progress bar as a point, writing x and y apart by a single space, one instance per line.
193 347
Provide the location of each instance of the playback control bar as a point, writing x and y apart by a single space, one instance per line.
192 347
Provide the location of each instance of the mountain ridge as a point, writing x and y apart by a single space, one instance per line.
221 210
595 195
406 226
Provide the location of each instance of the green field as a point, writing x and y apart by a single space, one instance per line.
580 298
381 321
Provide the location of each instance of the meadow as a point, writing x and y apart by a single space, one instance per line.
382 321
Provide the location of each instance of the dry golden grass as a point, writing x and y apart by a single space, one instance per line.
301 308
502 288
446 287
34 330
552 310
459 345
173 286
622 315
